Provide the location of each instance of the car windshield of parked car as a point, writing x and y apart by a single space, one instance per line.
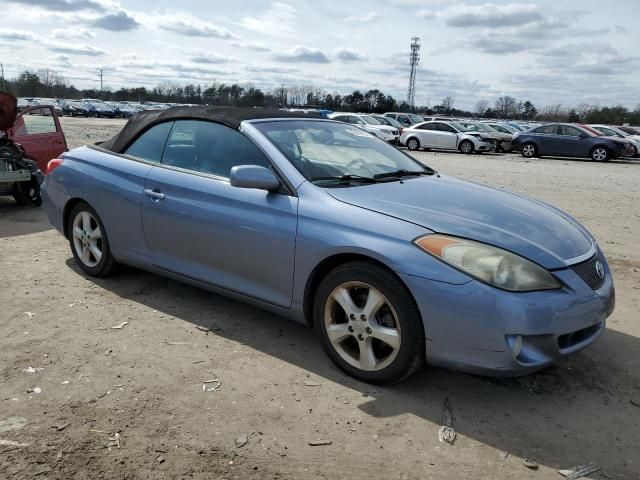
370 120
458 126
415 118
336 154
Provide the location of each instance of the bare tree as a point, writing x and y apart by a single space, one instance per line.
447 104
481 107
506 107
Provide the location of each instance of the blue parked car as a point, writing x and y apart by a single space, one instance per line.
392 263
569 140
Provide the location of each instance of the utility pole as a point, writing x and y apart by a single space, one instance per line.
100 74
4 82
414 59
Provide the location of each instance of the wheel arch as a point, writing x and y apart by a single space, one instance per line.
66 212
322 269
413 136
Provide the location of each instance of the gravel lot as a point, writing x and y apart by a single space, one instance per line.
69 381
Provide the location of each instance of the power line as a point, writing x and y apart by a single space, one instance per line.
414 59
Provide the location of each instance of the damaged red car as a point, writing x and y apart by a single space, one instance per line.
29 139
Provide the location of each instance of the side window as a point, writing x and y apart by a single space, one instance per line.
37 121
447 128
437 127
356 120
426 126
150 145
546 130
209 147
340 118
569 131
403 119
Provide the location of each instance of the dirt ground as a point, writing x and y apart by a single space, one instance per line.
69 381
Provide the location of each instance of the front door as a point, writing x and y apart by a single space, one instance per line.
446 136
199 226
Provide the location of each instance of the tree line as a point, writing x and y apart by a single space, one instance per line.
47 83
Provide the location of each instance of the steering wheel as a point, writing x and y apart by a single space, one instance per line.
356 163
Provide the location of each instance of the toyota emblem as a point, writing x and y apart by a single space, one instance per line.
600 269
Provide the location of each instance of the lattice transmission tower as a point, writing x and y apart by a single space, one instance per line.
414 59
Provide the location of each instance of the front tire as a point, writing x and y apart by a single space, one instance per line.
369 324
89 242
466 147
529 150
600 154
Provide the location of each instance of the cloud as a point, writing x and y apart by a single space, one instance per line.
72 33
368 18
74 49
303 55
277 21
256 46
347 55
269 69
65 5
426 14
20 35
210 58
117 22
60 60
188 25
493 15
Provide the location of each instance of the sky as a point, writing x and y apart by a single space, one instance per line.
546 51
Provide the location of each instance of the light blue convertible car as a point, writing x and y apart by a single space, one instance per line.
391 262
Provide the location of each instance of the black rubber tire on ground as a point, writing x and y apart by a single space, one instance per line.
604 151
413 144
107 262
411 355
466 146
528 152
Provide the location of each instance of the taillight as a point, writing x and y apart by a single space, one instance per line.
51 166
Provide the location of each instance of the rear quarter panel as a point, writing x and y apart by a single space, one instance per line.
112 185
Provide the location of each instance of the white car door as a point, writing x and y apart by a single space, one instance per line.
446 136
426 135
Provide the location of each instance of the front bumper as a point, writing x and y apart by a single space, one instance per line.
474 327
482 146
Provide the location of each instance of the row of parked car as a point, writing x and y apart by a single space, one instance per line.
93 107
598 142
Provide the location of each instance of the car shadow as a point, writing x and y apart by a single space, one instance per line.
560 417
21 220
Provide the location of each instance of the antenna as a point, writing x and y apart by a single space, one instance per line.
414 59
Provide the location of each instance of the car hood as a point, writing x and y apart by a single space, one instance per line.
451 206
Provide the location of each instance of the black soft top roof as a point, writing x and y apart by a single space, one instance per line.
232 117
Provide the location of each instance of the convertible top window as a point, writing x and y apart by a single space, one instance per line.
325 150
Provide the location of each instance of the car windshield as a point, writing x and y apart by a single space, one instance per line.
370 120
480 127
501 128
328 153
415 118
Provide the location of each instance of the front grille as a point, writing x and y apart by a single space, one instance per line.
588 272
570 339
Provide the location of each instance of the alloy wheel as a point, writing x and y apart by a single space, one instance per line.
87 239
466 147
528 150
362 326
412 144
600 154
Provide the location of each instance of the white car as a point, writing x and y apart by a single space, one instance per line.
446 136
369 124
634 140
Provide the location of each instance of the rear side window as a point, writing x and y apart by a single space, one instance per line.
209 147
547 130
150 145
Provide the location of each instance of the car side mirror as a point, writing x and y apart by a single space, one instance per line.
254 176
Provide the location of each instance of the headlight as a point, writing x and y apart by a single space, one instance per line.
489 264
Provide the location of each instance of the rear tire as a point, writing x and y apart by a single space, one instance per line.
600 154
379 336
466 147
413 144
89 242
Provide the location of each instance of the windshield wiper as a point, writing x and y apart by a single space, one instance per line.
345 179
403 173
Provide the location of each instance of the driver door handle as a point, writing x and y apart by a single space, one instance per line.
155 194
